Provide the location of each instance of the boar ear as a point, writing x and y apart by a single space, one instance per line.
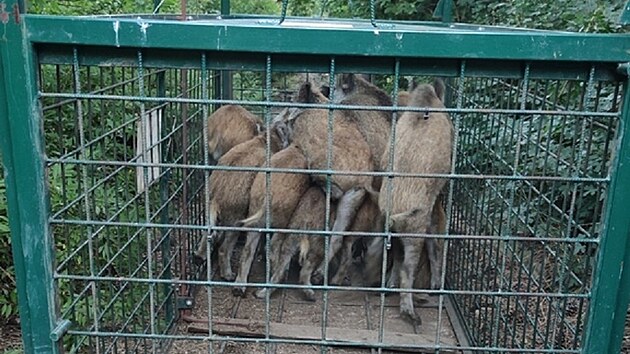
346 82
325 90
413 84
304 93
439 87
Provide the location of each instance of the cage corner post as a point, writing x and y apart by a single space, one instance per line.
607 297
224 81
22 144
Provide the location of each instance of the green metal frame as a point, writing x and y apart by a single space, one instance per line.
20 121
353 38
611 282
26 188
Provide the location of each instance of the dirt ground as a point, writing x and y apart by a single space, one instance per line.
10 338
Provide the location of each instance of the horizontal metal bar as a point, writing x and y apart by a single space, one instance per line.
321 233
308 36
319 287
520 112
455 176
247 61
385 345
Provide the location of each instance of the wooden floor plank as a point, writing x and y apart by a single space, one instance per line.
355 337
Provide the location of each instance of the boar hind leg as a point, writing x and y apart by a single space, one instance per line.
283 248
346 262
200 255
347 210
225 254
434 252
434 247
308 266
247 258
412 250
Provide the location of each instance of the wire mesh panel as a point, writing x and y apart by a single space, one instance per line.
476 225
110 189
545 146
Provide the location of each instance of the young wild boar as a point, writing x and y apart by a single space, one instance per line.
310 214
285 192
350 152
423 144
428 275
229 126
228 207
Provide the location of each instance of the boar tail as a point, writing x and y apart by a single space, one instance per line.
252 220
305 246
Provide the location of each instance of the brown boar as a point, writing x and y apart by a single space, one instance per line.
228 207
350 152
373 125
285 192
423 144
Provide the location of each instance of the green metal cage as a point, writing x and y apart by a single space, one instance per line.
104 141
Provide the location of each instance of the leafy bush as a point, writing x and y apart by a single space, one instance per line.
569 15
8 294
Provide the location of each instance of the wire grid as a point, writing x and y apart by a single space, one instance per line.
82 193
525 196
537 269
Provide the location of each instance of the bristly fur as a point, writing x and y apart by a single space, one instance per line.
421 146
228 207
229 126
286 189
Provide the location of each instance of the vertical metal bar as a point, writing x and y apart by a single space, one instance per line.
444 11
147 213
373 12
268 196
283 12
623 301
21 139
390 187
226 76
225 7
502 254
613 247
327 226
84 183
206 177
449 201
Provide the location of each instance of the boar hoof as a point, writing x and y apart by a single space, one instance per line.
239 291
412 317
309 295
